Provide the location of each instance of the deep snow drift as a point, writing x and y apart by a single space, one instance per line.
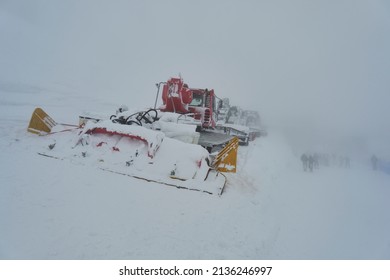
271 209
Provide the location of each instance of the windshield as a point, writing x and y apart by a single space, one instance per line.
197 99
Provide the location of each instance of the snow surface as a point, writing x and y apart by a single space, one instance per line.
271 209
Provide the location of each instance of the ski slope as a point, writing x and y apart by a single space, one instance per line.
271 209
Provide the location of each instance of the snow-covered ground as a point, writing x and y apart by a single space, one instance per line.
271 209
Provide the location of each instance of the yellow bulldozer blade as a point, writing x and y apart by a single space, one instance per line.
40 123
226 159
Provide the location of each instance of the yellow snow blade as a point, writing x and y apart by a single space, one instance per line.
226 160
40 123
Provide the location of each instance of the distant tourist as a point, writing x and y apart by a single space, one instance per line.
311 163
304 160
374 162
316 159
347 162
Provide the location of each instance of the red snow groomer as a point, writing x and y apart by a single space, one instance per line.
200 107
200 104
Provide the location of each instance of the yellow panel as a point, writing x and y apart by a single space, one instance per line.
40 123
226 160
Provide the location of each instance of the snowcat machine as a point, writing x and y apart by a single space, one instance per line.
138 144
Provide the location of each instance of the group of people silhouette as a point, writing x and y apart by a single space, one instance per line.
309 161
313 161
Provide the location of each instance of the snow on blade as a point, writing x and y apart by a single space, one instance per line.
151 137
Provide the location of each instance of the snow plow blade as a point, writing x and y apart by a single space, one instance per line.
40 123
136 152
226 159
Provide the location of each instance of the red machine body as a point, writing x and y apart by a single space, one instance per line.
179 98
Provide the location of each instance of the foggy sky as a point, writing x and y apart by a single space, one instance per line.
321 63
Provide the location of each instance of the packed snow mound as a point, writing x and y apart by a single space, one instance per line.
183 132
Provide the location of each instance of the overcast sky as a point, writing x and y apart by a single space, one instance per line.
326 62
